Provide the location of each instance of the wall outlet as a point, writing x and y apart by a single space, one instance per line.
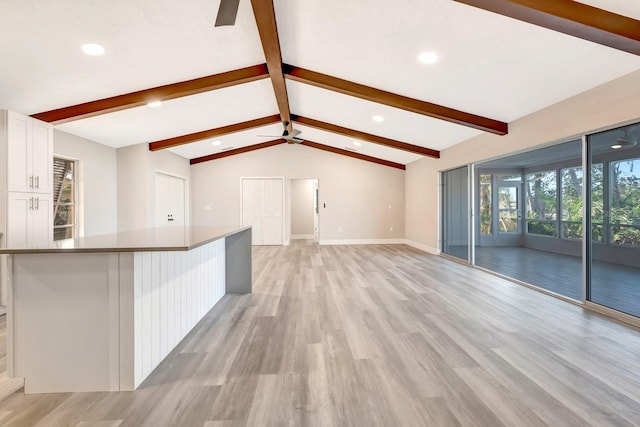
208 208
390 228
339 229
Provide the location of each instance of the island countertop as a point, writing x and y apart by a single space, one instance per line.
145 240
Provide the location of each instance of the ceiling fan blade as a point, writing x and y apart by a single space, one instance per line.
227 12
294 133
270 136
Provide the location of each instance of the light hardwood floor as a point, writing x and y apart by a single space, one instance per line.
374 336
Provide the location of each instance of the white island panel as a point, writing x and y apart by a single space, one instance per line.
66 323
173 291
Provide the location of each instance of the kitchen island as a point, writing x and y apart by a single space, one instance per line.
100 313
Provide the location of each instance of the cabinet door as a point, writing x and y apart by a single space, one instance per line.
42 156
19 155
19 211
41 231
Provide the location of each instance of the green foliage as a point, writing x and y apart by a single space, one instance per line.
625 202
485 204
541 195
541 228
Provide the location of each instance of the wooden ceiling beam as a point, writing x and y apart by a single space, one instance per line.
265 15
160 93
571 17
352 154
306 143
237 151
392 143
212 133
394 100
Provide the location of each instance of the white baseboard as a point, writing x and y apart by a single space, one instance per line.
422 247
302 237
362 242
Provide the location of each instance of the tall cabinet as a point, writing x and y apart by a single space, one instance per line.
26 183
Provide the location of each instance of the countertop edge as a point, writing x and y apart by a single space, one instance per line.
112 249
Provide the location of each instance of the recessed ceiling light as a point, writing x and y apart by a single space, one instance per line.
154 104
377 118
616 146
93 49
428 57
216 143
357 143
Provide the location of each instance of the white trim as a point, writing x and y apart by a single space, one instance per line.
302 237
422 247
362 242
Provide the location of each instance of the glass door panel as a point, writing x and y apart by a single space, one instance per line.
615 219
455 230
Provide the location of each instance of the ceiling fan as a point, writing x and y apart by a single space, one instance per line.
626 140
227 12
290 137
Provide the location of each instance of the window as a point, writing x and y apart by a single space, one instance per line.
485 205
624 201
597 202
508 209
571 203
64 199
541 203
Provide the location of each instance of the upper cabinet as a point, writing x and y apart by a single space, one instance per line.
29 154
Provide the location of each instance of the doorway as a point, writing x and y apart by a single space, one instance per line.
170 191
304 209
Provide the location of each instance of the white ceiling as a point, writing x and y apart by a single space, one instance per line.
489 65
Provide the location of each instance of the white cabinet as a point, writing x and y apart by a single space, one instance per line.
27 188
29 154
30 219
26 184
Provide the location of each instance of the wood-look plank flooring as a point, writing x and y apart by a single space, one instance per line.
374 336
613 285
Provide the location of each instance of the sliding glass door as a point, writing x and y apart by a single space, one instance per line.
615 219
553 219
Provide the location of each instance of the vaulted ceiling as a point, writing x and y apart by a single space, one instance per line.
328 66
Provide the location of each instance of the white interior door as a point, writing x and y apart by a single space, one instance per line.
273 215
263 209
169 200
177 200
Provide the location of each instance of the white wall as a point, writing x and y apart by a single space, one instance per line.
97 185
136 189
610 104
363 200
302 207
